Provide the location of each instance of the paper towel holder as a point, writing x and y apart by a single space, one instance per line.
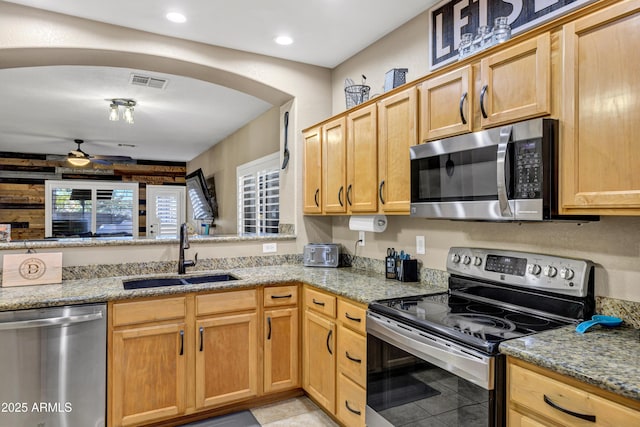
374 223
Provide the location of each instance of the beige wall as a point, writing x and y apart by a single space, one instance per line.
613 243
407 47
257 139
31 37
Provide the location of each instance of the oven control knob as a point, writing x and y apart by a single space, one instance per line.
477 261
466 260
550 271
534 269
455 258
566 273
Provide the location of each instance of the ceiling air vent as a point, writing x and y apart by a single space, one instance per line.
140 80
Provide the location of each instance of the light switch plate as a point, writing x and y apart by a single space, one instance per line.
420 249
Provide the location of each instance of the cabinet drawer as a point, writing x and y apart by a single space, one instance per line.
351 403
276 296
352 316
129 313
538 393
320 302
352 355
225 302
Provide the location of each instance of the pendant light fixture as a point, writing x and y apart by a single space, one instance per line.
114 109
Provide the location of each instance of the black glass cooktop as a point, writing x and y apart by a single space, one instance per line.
480 324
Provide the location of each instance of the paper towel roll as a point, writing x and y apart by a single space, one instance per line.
375 223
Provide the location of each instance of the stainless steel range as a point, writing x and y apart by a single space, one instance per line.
434 359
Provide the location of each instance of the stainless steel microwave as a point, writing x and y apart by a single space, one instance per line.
508 173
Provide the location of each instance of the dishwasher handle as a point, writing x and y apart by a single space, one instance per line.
51 321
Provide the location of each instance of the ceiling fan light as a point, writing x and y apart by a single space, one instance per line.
78 161
128 114
113 113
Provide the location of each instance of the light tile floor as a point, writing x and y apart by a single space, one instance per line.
299 411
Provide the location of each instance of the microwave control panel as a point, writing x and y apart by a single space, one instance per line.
528 169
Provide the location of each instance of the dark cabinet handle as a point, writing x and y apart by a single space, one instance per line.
269 323
483 92
380 191
201 338
281 296
320 303
349 194
353 359
181 343
462 98
340 195
355 319
315 197
590 418
346 403
329 339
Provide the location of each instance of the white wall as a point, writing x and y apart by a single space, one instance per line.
613 243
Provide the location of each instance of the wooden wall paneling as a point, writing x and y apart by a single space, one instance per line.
22 177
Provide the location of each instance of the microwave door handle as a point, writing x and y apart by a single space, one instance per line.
505 137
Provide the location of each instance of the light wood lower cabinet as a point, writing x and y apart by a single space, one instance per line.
148 361
335 355
149 382
320 359
226 359
176 356
281 339
538 397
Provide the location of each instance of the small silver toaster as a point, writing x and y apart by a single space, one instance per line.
321 255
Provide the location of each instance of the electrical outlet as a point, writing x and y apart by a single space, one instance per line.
361 238
269 247
420 249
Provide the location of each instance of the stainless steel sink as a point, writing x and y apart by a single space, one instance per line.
174 281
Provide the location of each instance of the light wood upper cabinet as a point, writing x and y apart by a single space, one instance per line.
446 104
312 186
362 160
397 131
334 163
516 82
601 113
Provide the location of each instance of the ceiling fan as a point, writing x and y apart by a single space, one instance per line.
78 157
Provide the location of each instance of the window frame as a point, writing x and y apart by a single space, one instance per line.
270 162
152 193
94 186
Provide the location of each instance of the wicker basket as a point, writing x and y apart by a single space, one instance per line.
356 94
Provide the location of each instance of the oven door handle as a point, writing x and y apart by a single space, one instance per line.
501 164
462 361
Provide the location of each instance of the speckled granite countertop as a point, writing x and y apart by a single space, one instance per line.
605 358
354 284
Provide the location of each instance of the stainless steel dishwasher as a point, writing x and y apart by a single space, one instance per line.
53 367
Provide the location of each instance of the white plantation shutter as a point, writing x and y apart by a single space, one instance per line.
89 208
259 196
165 210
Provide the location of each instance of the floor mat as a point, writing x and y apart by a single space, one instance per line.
390 391
239 419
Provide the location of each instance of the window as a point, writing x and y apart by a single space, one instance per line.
90 209
165 210
259 195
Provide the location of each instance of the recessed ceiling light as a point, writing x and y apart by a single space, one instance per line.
176 17
284 40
